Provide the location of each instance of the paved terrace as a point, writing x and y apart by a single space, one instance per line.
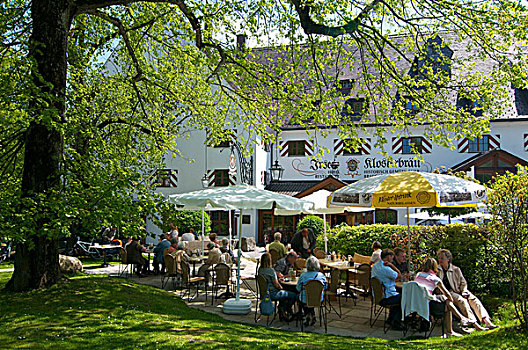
354 321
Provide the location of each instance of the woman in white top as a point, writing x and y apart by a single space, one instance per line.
444 302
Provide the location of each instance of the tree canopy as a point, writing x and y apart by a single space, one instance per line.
94 93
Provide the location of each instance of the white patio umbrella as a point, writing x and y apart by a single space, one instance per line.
410 189
320 199
241 197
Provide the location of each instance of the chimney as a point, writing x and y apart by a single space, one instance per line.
241 42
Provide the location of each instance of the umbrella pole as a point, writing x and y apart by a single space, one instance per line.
408 242
230 232
239 255
325 239
203 230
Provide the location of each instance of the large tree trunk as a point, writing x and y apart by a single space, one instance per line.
37 259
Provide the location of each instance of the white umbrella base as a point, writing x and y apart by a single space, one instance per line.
237 307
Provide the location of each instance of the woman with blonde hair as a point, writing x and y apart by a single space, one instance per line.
441 303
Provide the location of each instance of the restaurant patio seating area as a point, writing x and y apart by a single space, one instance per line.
355 313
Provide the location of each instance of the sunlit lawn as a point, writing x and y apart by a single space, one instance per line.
100 312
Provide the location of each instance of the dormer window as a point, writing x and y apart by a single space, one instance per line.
353 107
474 107
345 86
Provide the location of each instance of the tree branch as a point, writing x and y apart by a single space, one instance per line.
312 27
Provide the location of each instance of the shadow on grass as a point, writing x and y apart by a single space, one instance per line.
103 312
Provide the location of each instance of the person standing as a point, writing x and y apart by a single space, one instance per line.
303 242
468 304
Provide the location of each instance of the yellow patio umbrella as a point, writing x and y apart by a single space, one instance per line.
410 189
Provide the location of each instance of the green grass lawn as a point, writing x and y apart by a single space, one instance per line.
100 312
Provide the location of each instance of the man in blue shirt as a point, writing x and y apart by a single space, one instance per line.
385 271
158 253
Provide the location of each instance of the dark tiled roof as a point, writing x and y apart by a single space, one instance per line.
450 45
291 188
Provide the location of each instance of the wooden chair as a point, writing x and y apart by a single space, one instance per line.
362 279
274 256
222 278
188 281
376 309
170 271
300 263
319 254
314 294
262 290
332 291
361 259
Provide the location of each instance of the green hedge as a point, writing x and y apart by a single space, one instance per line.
313 222
472 252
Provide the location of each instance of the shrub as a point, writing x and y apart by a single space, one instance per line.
471 248
186 219
313 222
509 204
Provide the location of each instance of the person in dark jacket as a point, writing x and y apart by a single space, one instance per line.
135 256
303 243
158 253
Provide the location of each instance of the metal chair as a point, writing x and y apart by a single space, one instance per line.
315 298
376 308
262 290
188 281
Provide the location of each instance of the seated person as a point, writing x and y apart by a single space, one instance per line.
283 266
277 245
212 238
286 298
226 250
376 254
173 244
385 271
158 253
135 256
214 254
189 236
401 263
427 277
180 255
312 273
303 243
456 284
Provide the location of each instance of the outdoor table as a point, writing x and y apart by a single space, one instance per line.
194 260
149 251
104 248
342 266
289 284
